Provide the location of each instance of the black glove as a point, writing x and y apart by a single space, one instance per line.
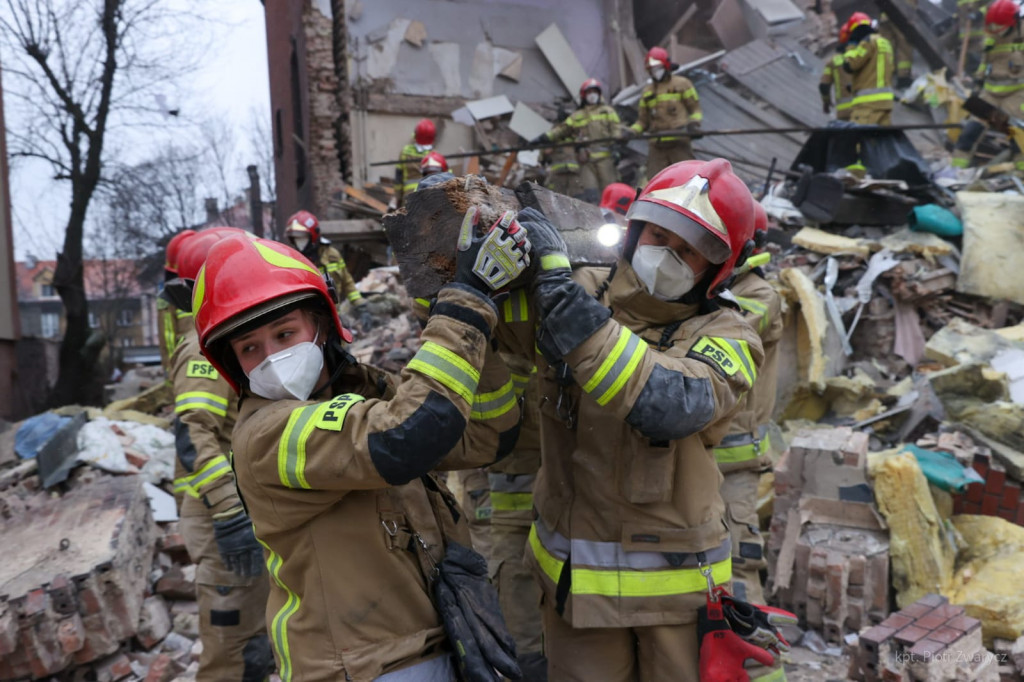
540 139
472 618
493 261
757 624
693 130
826 107
366 321
549 249
237 544
904 82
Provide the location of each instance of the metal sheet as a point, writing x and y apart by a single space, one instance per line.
492 106
729 24
560 56
527 123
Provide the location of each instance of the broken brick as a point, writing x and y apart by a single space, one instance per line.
994 481
910 635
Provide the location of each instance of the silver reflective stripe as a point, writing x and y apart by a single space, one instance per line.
736 439
612 555
511 483
873 91
744 355
438 669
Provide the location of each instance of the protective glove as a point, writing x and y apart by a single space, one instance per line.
237 543
493 261
366 321
628 133
826 107
547 245
903 82
757 624
693 130
472 617
540 139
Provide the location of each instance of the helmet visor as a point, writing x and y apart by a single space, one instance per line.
256 314
714 248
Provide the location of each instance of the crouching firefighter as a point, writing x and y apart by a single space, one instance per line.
367 553
231 586
639 371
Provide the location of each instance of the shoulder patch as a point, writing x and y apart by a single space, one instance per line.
201 369
331 415
728 355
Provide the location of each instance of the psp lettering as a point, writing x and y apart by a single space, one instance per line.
333 413
201 369
717 355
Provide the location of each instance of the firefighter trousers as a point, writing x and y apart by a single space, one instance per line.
596 174
659 653
661 156
232 611
739 491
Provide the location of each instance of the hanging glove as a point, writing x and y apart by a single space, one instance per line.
568 314
756 623
693 130
826 107
472 617
237 543
722 651
493 261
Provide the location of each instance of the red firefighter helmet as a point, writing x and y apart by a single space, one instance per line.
618 197
760 218
657 55
844 35
856 20
174 249
590 84
247 279
425 132
706 204
193 252
433 163
303 222
1001 15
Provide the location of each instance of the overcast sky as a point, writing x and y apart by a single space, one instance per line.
232 82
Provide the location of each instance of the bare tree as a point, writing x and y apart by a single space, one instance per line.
78 68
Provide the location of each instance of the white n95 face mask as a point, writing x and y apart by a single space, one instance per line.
593 97
657 72
300 243
290 373
666 275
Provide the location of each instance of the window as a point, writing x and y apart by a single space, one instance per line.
125 317
47 290
127 342
50 323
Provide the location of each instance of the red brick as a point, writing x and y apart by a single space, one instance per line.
926 650
946 635
980 465
994 481
915 610
1011 496
949 611
1008 514
958 504
910 635
964 623
972 507
932 599
875 635
931 621
1020 516
897 621
975 491
990 505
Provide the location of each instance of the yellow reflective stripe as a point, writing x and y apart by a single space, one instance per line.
959 162
903 64
515 308
211 471
617 367
1007 47
737 453
844 104
493 404
520 381
201 400
410 187
776 675
170 340
423 302
1001 89
181 314
553 261
877 97
756 308
699 116
354 296
291 449
563 166
729 354
279 623
441 364
333 266
690 93
618 583
511 501
281 260
181 486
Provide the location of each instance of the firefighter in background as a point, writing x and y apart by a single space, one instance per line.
172 323
902 49
563 167
332 458
836 86
869 61
231 587
303 232
668 102
593 120
407 172
971 23
616 199
1002 75
432 163
639 373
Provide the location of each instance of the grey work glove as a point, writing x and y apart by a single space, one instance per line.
237 544
472 618
495 260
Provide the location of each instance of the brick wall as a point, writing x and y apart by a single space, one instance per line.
997 496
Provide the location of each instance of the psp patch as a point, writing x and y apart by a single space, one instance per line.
201 369
331 415
720 357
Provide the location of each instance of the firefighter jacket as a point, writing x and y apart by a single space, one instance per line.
668 105
627 498
407 174
1003 67
836 86
589 122
172 324
562 160
333 264
870 63
339 496
205 410
746 445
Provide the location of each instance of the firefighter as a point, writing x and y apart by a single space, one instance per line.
231 587
639 372
332 458
563 171
616 199
407 172
836 86
594 120
303 233
971 25
1002 74
744 452
869 61
171 322
669 102
433 163
902 49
